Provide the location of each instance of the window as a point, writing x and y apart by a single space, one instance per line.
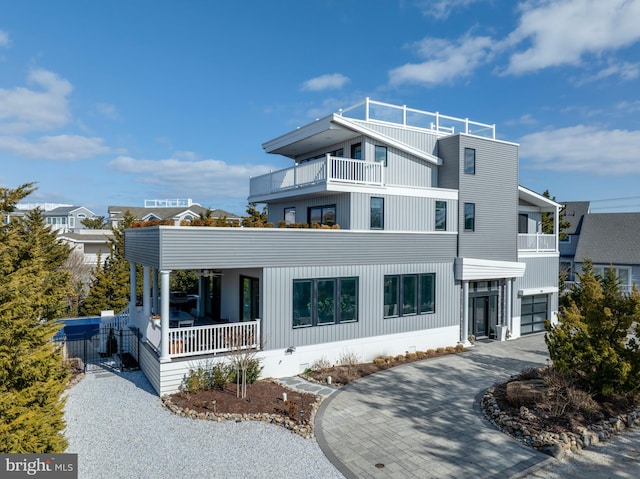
290 215
469 216
337 153
523 223
72 222
323 215
381 154
623 274
470 161
318 302
356 151
441 215
377 214
416 291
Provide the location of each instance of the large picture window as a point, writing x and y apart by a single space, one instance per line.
409 294
318 302
323 215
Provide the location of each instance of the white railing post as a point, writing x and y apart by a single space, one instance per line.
438 121
404 115
366 109
466 125
295 175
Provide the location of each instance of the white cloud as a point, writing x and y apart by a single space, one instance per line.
330 81
4 39
441 9
191 177
581 148
107 110
625 70
58 148
563 32
23 110
444 60
526 119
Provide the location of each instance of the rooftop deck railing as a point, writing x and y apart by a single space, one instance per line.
370 110
330 169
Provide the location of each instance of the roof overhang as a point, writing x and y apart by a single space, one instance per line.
473 269
537 200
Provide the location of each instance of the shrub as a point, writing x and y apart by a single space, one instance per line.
399 358
349 358
421 354
430 353
222 374
254 369
450 349
459 348
321 363
197 380
379 361
440 350
411 356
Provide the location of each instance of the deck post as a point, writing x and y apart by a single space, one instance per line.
146 296
164 316
465 314
132 294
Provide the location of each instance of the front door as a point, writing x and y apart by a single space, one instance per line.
481 316
483 308
249 298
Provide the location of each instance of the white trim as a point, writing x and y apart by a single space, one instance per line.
534 291
395 190
538 255
473 269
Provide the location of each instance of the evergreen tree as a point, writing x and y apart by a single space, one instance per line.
592 340
547 220
110 287
33 294
96 223
255 218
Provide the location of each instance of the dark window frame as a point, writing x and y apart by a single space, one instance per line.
422 305
316 306
356 151
371 213
322 209
287 210
470 219
384 153
470 161
441 225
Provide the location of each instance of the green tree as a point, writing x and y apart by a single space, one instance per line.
547 220
33 294
592 341
110 287
95 223
255 218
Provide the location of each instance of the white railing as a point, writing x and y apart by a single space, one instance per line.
401 115
213 339
537 242
569 285
119 321
330 169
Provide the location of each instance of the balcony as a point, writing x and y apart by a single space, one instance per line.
330 170
537 243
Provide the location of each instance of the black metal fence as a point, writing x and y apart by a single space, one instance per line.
104 348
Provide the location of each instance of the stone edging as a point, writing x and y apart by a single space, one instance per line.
305 430
551 443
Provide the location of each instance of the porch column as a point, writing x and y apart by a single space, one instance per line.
154 294
201 295
164 316
465 314
133 317
509 304
146 299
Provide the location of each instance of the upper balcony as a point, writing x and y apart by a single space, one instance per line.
316 175
537 243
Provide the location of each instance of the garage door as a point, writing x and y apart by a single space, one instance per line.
533 313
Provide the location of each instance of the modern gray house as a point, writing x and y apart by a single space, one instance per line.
418 236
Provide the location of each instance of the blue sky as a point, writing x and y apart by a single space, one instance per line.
111 102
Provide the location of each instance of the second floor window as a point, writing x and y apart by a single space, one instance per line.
377 214
441 215
469 216
356 151
322 215
290 215
381 154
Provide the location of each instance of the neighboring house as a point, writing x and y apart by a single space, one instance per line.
175 210
436 243
61 217
609 240
93 244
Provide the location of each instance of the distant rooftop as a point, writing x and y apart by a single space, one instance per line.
170 203
42 206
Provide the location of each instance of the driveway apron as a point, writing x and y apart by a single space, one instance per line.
423 420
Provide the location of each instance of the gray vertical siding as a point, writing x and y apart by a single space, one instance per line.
342 202
494 190
540 272
421 139
402 213
449 172
278 332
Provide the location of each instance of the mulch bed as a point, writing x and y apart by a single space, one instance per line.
263 396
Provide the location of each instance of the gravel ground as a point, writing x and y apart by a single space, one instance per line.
617 458
119 429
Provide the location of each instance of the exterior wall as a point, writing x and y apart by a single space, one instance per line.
175 247
494 191
419 139
277 306
402 213
230 291
342 202
150 366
